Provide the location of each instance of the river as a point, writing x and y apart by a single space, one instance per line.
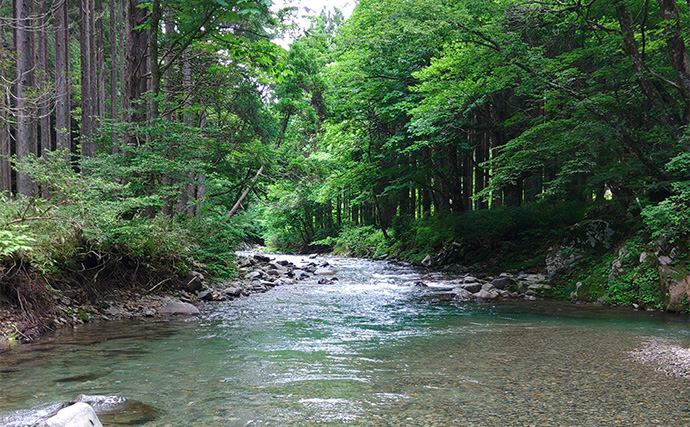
368 350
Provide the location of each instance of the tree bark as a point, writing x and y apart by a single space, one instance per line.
153 57
25 137
114 31
43 78
88 94
677 52
63 128
136 64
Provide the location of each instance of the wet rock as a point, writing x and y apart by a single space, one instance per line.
113 311
325 281
196 283
428 261
313 256
205 296
506 283
420 284
283 262
324 271
178 308
299 274
261 258
488 294
256 274
131 412
233 291
462 294
78 415
473 287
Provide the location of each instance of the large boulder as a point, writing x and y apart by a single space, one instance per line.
504 283
473 287
78 415
178 308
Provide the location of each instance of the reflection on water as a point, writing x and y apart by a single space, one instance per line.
365 351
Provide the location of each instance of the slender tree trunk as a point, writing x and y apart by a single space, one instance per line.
88 95
153 57
63 128
136 64
44 78
25 137
122 44
114 31
99 50
481 155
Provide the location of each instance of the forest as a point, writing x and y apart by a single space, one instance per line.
146 139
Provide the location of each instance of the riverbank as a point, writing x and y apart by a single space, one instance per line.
67 306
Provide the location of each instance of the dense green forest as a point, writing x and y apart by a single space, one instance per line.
498 135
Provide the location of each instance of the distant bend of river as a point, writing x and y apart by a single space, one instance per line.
368 350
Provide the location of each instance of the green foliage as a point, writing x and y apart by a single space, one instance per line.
11 242
360 241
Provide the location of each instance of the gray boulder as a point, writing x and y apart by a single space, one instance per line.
428 261
473 287
488 292
462 294
256 274
506 283
178 308
78 415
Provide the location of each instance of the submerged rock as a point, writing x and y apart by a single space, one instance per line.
78 415
324 271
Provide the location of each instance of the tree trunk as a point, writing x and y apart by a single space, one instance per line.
114 31
136 64
43 78
25 137
63 128
677 52
153 57
88 94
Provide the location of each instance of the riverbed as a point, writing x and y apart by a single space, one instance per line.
370 349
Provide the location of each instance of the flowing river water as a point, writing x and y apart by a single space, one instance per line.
368 350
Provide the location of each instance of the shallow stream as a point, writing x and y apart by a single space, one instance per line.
369 350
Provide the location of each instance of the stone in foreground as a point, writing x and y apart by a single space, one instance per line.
178 308
78 415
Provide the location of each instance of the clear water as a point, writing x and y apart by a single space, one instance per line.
369 350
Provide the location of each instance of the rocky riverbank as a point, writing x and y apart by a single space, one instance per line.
258 273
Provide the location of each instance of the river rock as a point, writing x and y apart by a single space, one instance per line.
205 296
324 271
233 291
462 294
196 283
261 258
177 307
473 287
490 294
256 274
505 282
428 261
299 274
78 415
